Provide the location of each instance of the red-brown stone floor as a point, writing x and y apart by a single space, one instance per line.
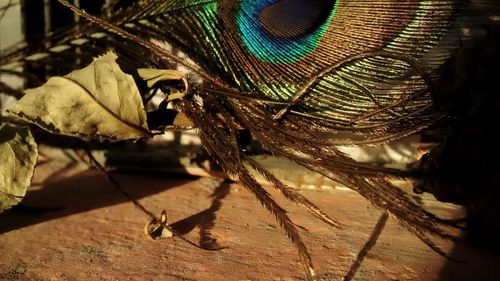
98 235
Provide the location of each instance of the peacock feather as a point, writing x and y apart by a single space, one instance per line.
354 59
344 72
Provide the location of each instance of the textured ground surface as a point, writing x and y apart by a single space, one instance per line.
95 234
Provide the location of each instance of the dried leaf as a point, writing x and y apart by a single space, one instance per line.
153 76
155 230
181 120
19 153
98 101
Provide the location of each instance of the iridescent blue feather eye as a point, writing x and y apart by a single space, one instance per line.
283 31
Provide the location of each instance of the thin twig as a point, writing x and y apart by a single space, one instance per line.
136 203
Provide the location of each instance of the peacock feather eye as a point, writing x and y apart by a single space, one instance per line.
283 31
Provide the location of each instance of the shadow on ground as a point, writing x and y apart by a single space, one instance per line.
80 193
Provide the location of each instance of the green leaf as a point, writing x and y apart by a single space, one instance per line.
19 153
98 101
